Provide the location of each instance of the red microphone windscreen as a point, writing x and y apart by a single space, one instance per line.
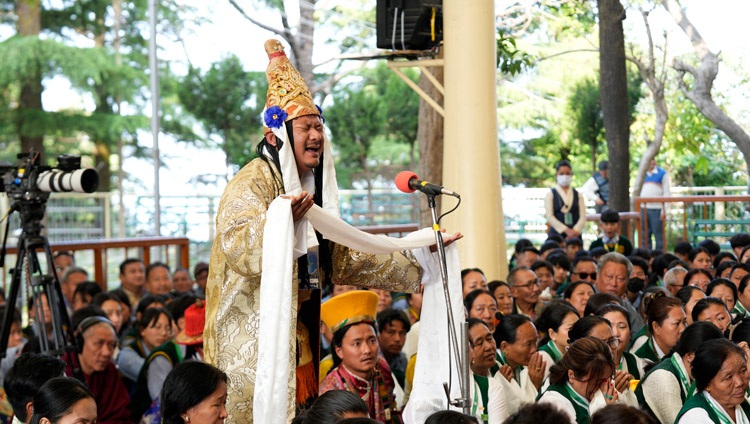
402 181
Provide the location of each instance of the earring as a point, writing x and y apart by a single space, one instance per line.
186 418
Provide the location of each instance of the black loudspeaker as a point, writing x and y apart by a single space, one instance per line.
409 24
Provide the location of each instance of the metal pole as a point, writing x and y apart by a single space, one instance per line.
152 59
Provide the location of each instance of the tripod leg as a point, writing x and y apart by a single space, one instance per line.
12 297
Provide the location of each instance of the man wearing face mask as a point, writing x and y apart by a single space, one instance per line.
564 205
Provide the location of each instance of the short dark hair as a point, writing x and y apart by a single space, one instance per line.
722 282
711 246
56 397
683 247
153 265
583 327
695 335
610 215
387 316
694 252
709 357
28 374
102 297
537 412
620 413
559 259
723 266
573 286
178 306
507 328
562 163
332 405
552 317
640 263
520 245
704 303
187 385
87 311
580 259
122 297
87 288
147 300
739 240
720 257
575 241
151 316
450 417
549 245
127 262
597 300
543 264
686 292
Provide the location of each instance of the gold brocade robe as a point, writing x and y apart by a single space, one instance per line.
233 289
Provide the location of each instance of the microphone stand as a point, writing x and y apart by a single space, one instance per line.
463 364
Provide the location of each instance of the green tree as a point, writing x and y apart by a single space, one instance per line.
228 101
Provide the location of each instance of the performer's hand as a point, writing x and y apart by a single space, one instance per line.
447 241
537 367
622 380
507 372
301 204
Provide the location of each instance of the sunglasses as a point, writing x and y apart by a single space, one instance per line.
585 275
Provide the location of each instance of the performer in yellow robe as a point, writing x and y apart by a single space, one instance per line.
233 289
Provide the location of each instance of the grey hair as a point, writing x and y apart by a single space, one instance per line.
671 276
616 258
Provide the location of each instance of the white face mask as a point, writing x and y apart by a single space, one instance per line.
564 180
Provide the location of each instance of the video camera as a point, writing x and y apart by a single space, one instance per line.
30 181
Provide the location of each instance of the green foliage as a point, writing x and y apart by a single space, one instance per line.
228 101
510 60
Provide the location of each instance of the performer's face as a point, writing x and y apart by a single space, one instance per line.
359 350
308 142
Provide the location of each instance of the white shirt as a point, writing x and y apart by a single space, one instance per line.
497 409
662 393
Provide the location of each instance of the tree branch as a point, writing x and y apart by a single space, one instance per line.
699 44
268 28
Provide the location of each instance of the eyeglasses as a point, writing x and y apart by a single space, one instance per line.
585 275
613 343
536 282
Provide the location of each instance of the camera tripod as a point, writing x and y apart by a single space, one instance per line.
57 338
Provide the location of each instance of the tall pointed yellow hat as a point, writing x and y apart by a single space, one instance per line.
288 95
351 307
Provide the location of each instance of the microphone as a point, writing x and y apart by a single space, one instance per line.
408 182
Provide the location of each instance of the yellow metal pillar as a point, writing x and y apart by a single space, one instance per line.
471 161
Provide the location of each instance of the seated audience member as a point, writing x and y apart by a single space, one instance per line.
721 378
181 280
578 295
194 392
127 309
621 414
84 293
743 297
37 316
393 327
132 279
482 305
561 270
158 279
28 374
674 279
682 250
154 329
501 291
739 242
517 249
745 255
414 300
200 273
666 321
545 273
713 310
111 306
698 278
597 253
724 269
554 322
69 280
357 366
644 254
331 406
699 258
177 310
525 289
472 279
598 300
385 300
572 247
146 302
450 417
63 259
664 389
187 345
738 272
712 247
97 340
721 257
490 405
528 256
520 367
585 369
689 296
725 290
620 323
659 267
64 400
612 240
584 269
547 247
16 343
600 328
